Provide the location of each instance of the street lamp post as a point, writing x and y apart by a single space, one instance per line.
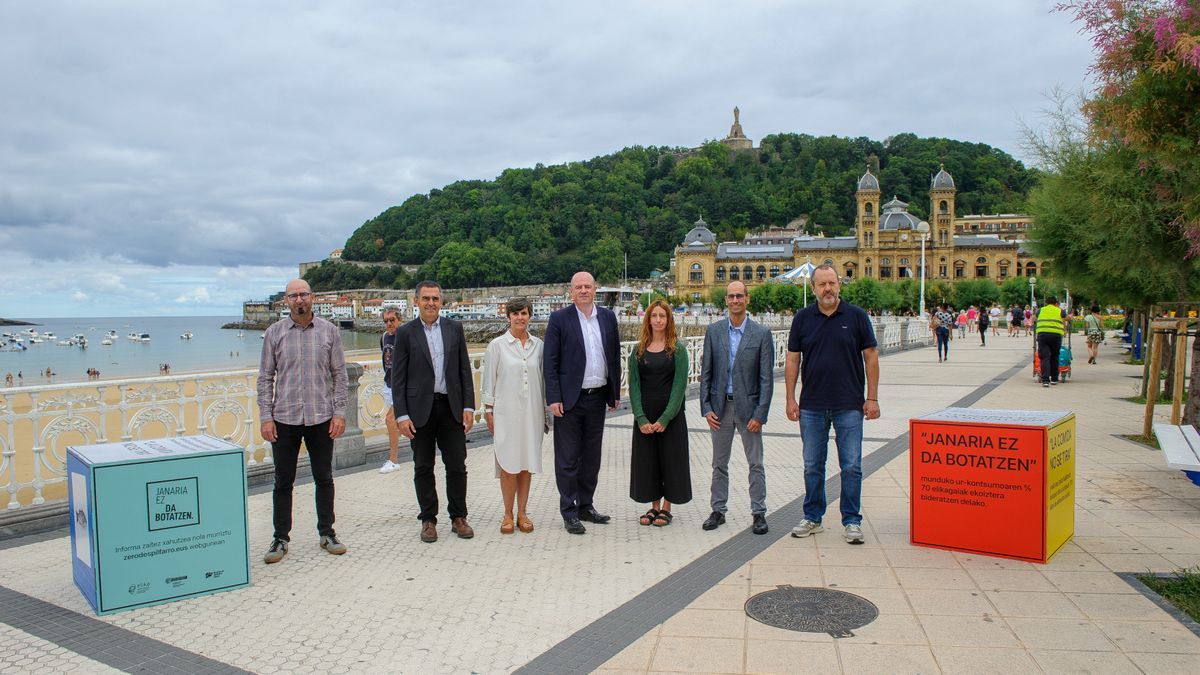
923 228
1032 300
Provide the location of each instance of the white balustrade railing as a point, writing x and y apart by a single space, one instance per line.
38 423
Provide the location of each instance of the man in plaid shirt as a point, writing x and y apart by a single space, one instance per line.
302 397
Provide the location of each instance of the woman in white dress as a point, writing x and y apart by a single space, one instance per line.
514 403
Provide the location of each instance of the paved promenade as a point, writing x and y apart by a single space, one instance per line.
626 598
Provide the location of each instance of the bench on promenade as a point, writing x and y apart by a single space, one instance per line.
1181 445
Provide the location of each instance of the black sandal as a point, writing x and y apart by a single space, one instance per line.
665 517
648 517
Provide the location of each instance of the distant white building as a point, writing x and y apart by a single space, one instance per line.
344 308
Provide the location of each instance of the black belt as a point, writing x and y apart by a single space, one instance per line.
594 390
440 397
728 397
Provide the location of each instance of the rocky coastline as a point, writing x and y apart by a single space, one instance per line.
15 322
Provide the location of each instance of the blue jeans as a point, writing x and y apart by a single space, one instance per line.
943 342
814 431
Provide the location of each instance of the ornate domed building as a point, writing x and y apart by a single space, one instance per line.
885 245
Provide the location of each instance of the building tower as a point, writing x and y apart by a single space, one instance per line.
941 208
867 222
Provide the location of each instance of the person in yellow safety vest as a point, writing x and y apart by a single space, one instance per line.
1049 334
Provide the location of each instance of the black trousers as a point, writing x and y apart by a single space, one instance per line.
286 450
1048 345
578 435
442 430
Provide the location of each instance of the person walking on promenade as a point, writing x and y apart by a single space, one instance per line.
1049 339
387 344
962 320
1027 321
1095 333
514 403
1015 317
302 397
658 370
972 319
984 322
582 367
737 379
832 349
8 380
941 324
994 319
433 394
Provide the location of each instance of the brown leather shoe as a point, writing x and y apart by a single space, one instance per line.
460 527
428 531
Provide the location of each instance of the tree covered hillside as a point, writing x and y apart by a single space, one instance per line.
542 224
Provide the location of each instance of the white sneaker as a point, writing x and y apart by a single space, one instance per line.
853 534
389 466
806 527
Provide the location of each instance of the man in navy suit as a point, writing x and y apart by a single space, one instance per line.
581 365
433 398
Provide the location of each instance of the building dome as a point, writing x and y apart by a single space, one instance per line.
895 216
942 180
868 182
699 234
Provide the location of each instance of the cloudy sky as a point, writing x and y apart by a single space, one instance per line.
178 158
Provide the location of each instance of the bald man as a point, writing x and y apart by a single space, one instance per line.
582 369
302 397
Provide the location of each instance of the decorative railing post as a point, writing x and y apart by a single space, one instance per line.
350 449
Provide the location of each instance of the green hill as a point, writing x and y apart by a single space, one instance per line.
542 224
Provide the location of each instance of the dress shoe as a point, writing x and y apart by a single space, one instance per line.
574 525
590 514
428 531
460 527
760 523
714 521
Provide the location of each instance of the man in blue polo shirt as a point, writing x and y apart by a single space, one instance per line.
831 348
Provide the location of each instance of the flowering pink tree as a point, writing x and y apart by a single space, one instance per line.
1147 94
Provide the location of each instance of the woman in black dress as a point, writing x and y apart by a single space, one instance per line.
658 369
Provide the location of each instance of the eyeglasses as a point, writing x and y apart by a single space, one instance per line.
298 296
735 296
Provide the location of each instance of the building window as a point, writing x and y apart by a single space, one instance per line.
942 237
747 273
721 273
885 268
1003 270
774 271
828 261
869 209
981 271
697 274
943 207
1030 269
867 270
762 273
787 268
733 273
695 297
960 269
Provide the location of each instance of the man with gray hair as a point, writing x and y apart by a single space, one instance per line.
302 397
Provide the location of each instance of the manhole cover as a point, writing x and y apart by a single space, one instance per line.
812 610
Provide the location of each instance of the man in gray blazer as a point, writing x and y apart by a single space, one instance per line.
736 381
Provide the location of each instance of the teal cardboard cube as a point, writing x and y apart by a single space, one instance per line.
158 520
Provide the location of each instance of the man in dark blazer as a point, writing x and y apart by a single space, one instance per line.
582 368
433 398
737 378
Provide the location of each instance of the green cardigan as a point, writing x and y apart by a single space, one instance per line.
678 388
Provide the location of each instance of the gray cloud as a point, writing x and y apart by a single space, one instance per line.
224 134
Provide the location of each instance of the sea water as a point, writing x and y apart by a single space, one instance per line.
211 348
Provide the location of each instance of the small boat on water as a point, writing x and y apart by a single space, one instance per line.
132 336
143 337
36 340
48 335
187 335
106 341
112 335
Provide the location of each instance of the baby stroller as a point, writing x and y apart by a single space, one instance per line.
1064 359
